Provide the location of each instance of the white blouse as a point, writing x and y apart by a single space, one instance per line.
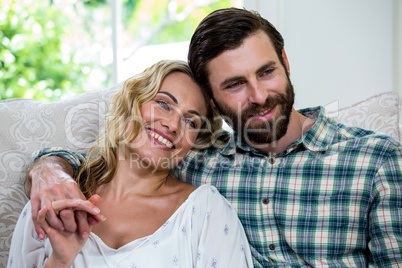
203 232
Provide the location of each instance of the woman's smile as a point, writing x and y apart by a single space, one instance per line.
160 139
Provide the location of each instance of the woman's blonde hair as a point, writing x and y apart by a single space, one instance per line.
100 166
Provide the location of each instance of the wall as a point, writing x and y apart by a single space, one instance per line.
340 51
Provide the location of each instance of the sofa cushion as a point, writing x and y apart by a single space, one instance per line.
379 112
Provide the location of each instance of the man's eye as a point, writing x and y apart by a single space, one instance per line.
234 85
268 72
164 105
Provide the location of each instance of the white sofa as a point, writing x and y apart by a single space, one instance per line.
29 125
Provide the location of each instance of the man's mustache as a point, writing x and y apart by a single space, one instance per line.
268 105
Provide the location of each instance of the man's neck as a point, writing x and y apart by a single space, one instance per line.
298 125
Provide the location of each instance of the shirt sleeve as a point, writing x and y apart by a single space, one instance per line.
75 159
26 249
385 227
221 240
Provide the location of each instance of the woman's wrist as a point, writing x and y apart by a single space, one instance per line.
52 262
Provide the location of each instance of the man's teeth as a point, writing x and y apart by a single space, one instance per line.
261 113
161 139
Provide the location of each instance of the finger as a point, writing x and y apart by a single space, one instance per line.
42 219
53 220
59 205
35 207
95 199
92 221
75 204
87 221
82 222
68 219
51 216
95 220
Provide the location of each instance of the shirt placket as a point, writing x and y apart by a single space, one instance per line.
270 236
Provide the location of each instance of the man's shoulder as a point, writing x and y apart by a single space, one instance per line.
353 136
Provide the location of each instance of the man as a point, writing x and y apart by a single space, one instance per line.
309 191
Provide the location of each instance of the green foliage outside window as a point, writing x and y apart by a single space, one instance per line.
40 41
31 61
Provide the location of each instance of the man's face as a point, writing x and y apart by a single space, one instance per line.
252 89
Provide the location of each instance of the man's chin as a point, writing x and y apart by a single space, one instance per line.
259 139
264 135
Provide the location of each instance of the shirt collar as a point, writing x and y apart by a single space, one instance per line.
318 138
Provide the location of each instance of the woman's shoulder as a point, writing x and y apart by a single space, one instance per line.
209 196
206 190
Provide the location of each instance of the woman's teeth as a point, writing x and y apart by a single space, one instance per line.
161 139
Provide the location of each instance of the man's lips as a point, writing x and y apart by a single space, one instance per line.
160 139
264 114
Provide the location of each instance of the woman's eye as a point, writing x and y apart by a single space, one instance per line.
164 105
190 122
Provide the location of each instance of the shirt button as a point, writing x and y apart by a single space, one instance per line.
272 247
265 201
271 161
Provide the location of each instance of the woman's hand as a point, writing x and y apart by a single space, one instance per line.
66 245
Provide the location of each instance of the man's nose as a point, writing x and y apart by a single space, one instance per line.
257 94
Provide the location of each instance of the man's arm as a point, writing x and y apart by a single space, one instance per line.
53 161
48 179
385 241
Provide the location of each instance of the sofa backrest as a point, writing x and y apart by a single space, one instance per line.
29 125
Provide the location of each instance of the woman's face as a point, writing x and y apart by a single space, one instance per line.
171 122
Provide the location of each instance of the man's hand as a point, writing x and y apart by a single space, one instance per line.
51 180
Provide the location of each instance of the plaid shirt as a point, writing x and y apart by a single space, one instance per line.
332 199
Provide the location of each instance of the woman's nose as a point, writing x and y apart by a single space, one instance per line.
172 122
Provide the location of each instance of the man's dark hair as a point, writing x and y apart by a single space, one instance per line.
222 30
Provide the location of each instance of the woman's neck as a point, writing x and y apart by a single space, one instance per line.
132 180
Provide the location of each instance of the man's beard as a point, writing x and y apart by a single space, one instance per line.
263 132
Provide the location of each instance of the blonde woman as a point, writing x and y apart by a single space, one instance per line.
152 219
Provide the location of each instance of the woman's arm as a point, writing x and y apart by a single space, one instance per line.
26 249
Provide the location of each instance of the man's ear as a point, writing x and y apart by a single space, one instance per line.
285 61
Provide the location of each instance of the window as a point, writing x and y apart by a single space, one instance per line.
52 49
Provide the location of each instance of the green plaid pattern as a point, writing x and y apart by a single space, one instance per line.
332 199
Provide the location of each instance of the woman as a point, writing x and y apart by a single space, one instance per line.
153 220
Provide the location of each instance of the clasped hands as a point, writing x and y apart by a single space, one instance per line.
58 203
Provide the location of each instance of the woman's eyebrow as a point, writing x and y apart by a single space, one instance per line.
170 95
194 112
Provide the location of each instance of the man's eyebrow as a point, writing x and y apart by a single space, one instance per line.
237 78
170 95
